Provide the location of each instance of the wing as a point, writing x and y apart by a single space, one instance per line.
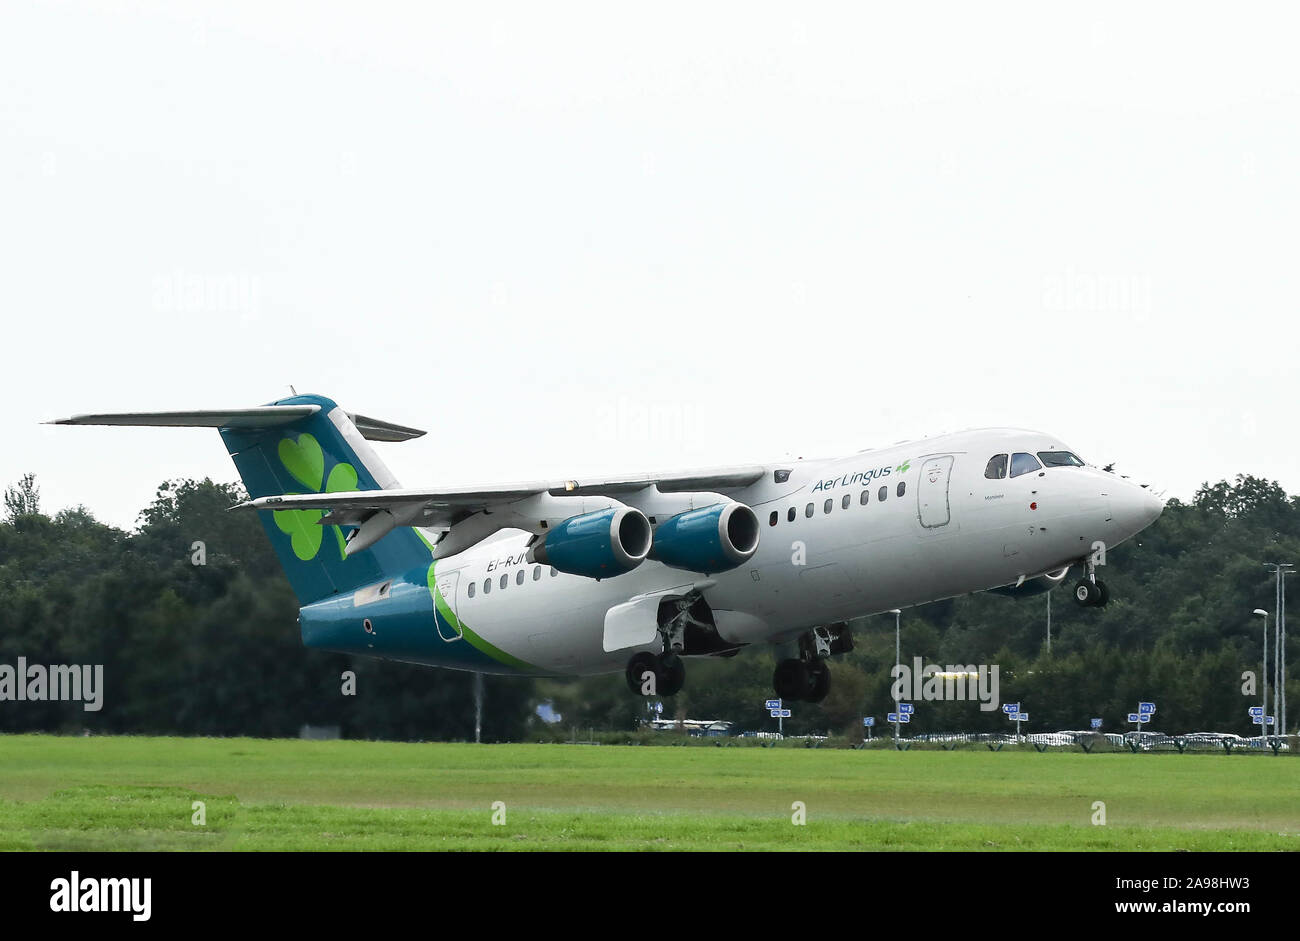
468 515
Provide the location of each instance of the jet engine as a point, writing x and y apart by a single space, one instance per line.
711 539
598 545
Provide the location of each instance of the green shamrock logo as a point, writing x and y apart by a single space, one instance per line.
904 467
305 460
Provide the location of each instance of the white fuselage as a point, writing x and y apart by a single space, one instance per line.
950 531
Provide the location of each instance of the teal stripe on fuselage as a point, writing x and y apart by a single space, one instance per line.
403 627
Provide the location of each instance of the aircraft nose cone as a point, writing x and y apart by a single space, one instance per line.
1137 508
1152 507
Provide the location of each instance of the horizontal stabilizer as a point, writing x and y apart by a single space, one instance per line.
372 429
266 416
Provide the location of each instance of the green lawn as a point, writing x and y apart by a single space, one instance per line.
137 793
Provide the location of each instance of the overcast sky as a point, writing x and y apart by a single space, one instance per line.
578 238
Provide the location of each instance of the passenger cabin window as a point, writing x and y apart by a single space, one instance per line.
519 577
997 467
472 586
844 504
537 572
1022 463
554 571
866 494
828 505
883 494
808 511
487 586
771 520
1059 459
504 580
902 488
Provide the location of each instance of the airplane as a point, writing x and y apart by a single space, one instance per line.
639 573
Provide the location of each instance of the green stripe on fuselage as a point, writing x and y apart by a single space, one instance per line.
477 642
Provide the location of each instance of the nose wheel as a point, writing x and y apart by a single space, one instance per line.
1091 593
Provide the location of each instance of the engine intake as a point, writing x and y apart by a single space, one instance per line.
711 539
597 545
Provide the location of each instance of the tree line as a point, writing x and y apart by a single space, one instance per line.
214 649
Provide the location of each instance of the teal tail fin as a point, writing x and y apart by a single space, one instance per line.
305 444
324 452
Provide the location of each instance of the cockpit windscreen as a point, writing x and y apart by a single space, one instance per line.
1059 459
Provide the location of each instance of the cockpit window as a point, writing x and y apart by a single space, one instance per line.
997 467
1059 459
1022 463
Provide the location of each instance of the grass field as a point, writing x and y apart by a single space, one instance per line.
137 793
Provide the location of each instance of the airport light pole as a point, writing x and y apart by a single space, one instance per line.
897 613
1263 725
478 708
1282 647
1280 571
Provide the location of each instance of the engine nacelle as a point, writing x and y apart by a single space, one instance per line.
711 539
1032 586
598 545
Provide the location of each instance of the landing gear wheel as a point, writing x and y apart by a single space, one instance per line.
637 668
1104 593
1087 594
671 675
819 681
790 680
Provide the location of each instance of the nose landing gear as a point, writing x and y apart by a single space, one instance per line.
1090 591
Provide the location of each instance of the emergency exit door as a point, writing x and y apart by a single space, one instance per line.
444 613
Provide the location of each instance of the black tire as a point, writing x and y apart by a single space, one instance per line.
819 681
1103 593
1086 594
637 668
672 675
790 680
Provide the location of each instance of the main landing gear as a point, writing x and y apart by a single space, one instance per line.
685 626
1090 591
807 678
800 681
650 675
